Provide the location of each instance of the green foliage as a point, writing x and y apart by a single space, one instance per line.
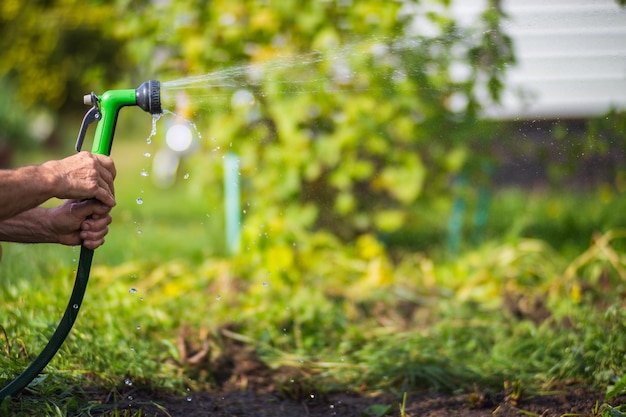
52 49
351 115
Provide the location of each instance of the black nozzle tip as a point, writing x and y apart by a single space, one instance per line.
148 97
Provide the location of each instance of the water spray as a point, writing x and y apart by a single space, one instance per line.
104 111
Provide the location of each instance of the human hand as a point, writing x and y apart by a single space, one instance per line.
76 222
83 176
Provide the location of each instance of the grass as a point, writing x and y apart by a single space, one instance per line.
539 302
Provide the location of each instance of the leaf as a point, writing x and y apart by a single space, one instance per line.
617 389
619 411
404 181
377 410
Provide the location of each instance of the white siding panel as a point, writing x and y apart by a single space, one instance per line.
571 57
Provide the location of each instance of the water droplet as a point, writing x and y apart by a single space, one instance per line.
189 398
139 231
186 176
128 382
75 306
130 398
312 395
140 298
133 291
149 141
132 348
138 327
219 297
265 283
147 154
144 173
139 200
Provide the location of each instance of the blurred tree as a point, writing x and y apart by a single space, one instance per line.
375 106
14 131
51 51
53 48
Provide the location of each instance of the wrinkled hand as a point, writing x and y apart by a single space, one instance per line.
76 222
83 176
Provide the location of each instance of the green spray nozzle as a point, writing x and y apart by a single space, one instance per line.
106 108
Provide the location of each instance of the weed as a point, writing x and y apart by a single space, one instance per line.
403 406
616 389
619 411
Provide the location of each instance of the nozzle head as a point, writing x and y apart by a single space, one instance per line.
148 97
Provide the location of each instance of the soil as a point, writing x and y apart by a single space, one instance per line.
577 402
247 387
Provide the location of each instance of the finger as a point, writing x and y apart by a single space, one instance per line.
81 209
100 209
106 173
92 236
106 179
107 163
105 195
96 224
93 244
89 208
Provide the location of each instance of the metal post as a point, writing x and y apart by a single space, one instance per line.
232 207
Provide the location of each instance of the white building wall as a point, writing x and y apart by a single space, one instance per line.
571 58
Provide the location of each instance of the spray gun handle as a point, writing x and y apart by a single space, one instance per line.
92 115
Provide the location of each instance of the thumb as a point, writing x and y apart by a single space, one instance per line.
83 209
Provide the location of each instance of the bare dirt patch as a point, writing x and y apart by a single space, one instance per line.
576 402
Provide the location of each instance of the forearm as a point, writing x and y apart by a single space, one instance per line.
30 226
25 188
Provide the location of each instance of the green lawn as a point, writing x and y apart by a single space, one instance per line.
539 301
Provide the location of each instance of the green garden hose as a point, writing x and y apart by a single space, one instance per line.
59 335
